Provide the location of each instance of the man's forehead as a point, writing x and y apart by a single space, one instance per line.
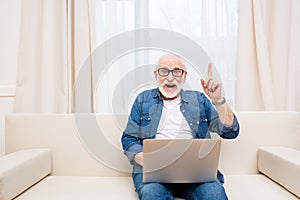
170 61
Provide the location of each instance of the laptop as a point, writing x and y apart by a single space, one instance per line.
180 160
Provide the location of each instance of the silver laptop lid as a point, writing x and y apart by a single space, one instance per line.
180 160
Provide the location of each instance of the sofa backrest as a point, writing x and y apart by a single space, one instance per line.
89 144
258 129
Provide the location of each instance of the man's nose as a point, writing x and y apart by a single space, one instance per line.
170 77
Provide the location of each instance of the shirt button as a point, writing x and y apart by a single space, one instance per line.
198 122
183 110
191 123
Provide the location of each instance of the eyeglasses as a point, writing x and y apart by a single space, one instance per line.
175 72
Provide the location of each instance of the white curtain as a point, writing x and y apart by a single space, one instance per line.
55 39
212 24
112 18
269 64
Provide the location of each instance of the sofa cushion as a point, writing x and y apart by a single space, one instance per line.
237 187
81 187
22 169
281 164
258 187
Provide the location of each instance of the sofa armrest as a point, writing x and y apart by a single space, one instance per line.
282 165
22 169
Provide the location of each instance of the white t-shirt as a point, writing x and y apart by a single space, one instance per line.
172 123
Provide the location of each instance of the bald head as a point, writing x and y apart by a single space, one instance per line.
171 60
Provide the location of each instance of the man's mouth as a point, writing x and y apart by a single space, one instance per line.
170 86
170 90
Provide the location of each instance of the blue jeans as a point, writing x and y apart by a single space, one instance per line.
189 191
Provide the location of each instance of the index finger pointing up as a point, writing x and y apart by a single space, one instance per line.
209 72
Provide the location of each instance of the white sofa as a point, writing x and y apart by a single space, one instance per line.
72 156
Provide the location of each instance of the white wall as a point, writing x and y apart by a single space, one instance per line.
9 40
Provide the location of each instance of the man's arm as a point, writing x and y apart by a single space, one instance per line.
130 141
213 89
131 146
225 113
226 125
227 131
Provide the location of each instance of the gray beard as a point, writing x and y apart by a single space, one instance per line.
170 95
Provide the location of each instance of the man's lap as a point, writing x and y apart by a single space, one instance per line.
209 190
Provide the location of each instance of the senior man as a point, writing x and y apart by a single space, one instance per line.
168 111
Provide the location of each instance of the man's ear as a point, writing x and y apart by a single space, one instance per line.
155 74
184 77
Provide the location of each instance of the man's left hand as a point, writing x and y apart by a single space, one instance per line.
212 87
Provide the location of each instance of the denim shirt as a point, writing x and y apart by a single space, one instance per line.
195 107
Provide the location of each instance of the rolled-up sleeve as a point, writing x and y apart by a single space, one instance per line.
230 132
130 141
132 151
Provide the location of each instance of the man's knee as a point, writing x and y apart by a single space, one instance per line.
212 190
154 191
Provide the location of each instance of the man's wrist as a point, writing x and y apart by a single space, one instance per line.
219 103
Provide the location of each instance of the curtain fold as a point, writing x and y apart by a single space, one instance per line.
55 39
82 46
268 64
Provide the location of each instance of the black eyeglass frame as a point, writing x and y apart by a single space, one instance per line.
172 71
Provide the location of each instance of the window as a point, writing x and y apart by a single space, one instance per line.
213 24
